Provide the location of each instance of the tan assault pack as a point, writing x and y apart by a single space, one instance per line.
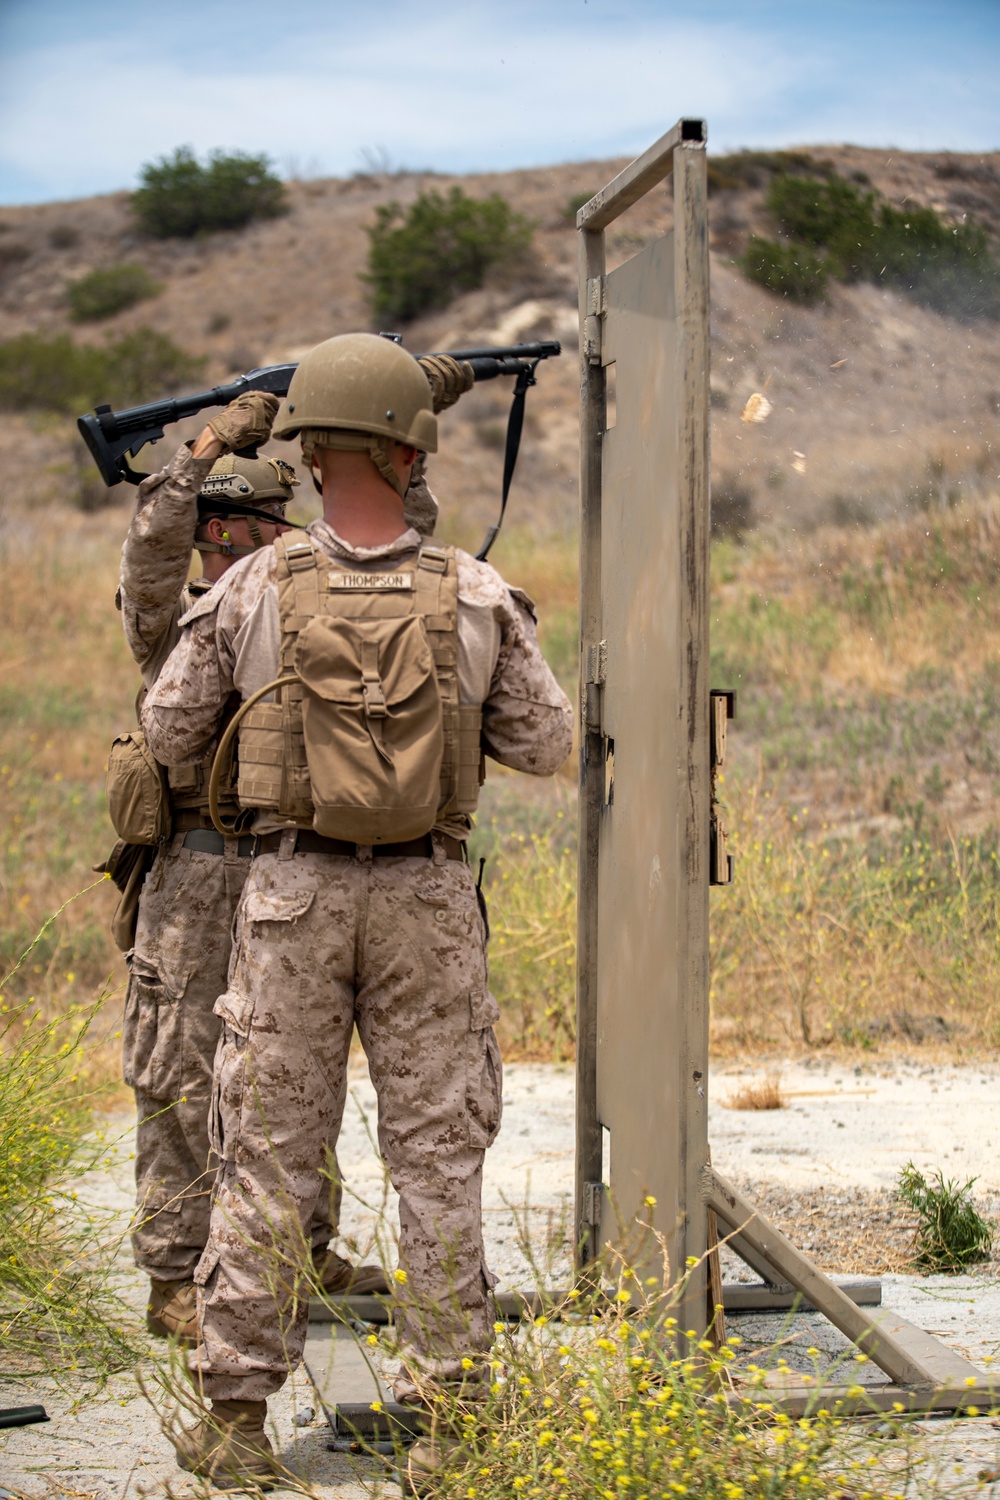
369 741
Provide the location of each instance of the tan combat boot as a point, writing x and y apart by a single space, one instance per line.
425 1461
444 1435
172 1311
230 1447
339 1278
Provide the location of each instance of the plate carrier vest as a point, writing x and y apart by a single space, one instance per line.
273 761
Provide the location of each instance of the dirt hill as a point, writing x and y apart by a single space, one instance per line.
878 404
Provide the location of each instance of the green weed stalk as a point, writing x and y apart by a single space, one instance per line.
951 1233
58 1310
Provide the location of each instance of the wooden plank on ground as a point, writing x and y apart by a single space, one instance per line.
737 1296
347 1385
797 1399
789 1263
756 1296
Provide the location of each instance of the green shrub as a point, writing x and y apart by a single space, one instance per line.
179 197
57 1306
947 267
950 269
600 1397
834 215
755 169
58 375
420 259
109 290
788 269
951 1233
574 204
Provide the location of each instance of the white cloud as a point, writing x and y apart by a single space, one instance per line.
456 87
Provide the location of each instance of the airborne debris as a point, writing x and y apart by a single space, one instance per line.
798 462
757 409
838 364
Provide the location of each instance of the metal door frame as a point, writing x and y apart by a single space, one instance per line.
681 152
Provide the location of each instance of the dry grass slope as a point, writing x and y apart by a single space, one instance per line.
890 405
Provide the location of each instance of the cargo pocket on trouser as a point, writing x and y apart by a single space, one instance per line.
484 1076
157 1227
151 1033
229 1074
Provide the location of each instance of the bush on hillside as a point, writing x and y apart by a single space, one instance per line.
109 290
949 268
787 269
836 216
421 258
573 205
755 169
180 198
864 238
58 375
732 508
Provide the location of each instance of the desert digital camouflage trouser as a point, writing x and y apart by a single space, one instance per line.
177 970
397 947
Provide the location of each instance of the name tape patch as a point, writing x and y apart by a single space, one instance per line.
380 583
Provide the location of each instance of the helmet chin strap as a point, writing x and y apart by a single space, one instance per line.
378 452
374 444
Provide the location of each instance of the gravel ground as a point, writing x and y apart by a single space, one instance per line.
823 1167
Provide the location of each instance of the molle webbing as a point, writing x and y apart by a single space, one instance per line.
273 768
188 785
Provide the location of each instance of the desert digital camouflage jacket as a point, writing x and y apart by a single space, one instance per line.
230 639
153 591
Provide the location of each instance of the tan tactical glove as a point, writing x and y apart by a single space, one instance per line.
246 420
449 378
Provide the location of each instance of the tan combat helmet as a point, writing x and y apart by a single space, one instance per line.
256 488
360 392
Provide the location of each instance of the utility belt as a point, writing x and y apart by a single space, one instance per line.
305 841
207 841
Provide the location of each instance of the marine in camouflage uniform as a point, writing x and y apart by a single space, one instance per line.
179 958
331 935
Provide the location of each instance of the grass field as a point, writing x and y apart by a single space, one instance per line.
863 789
862 794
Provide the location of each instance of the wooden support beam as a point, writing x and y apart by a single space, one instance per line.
789 1264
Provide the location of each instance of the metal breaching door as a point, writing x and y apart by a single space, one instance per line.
646 813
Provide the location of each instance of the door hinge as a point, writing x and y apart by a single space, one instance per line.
597 306
593 684
593 1199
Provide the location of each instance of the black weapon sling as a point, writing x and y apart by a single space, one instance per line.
515 422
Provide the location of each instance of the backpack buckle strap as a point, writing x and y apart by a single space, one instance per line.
433 559
300 555
371 682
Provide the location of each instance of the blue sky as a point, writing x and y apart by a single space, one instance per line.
89 91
